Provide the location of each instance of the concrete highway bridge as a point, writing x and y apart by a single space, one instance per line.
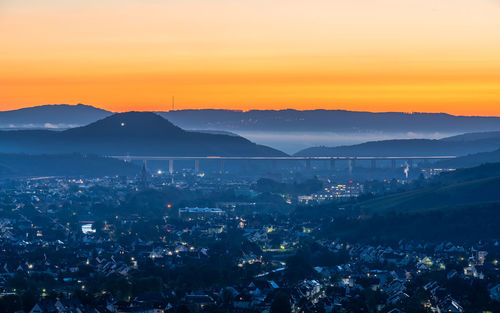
332 160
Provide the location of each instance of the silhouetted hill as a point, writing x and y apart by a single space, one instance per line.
51 116
128 125
456 145
134 133
23 165
330 120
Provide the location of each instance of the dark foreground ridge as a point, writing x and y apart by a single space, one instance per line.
26 165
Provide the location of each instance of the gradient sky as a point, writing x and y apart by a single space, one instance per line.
375 55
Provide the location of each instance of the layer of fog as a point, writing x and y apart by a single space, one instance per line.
291 142
31 126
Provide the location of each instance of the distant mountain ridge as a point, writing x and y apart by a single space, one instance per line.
330 121
342 121
51 116
131 133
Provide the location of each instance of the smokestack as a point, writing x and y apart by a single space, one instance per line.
407 170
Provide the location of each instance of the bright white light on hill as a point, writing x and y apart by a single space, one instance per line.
122 124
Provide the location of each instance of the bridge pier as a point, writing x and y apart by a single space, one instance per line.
222 166
171 166
352 164
332 164
410 160
373 164
196 166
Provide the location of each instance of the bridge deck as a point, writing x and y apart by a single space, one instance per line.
166 158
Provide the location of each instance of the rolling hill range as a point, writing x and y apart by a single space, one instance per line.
133 133
457 145
339 121
330 120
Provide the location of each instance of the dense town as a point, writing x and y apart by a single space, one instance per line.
215 243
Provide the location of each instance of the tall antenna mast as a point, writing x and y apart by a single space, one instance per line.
173 103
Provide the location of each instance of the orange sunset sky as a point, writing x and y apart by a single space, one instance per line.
376 55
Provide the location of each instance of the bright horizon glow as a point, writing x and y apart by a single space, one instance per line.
378 56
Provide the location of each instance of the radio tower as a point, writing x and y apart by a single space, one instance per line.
173 103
